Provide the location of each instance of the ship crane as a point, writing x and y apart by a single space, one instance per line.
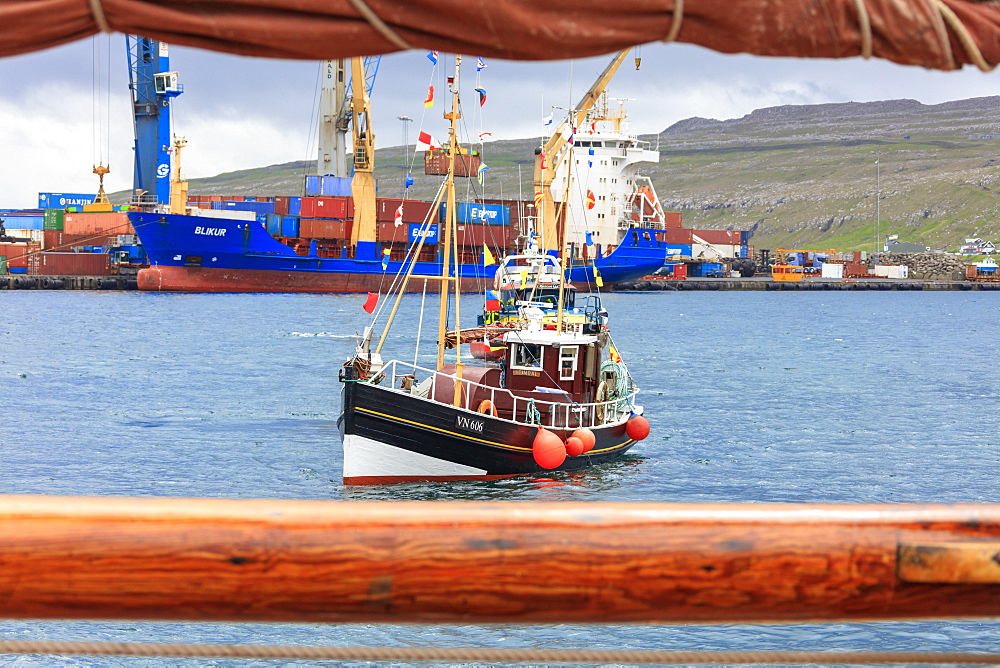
336 113
548 157
153 86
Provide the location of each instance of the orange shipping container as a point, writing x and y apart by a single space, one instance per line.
324 207
321 228
17 255
674 235
672 218
72 264
109 223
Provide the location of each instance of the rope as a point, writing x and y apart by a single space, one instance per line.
531 414
488 654
865 27
380 26
100 18
677 17
962 32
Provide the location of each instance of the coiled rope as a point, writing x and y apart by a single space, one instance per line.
487 654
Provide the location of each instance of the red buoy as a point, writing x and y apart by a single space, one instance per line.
637 428
588 438
548 449
574 446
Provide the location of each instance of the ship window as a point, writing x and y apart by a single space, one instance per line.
567 362
527 355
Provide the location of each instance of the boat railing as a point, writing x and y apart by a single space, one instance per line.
402 377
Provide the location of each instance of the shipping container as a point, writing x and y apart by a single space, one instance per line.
17 255
255 207
474 212
327 186
725 237
324 207
675 235
832 270
72 264
228 215
891 270
295 206
679 250
289 226
390 232
281 206
323 228
115 222
494 236
19 221
414 211
37 236
53 219
63 200
436 163
272 223
672 218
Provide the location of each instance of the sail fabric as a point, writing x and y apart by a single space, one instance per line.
939 34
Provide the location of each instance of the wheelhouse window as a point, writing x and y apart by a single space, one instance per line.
567 362
527 356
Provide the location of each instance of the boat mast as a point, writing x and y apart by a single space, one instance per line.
450 217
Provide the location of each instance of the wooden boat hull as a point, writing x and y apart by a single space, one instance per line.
391 437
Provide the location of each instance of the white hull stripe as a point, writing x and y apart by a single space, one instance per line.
365 457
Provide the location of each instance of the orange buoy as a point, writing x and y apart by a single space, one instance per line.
574 446
548 449
588 438
637 428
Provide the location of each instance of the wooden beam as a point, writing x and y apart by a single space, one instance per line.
309 561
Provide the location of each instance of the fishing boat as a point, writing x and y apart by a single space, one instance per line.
612 236
559 398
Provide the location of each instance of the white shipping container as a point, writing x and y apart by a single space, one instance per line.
891 270
34 235
831 270
227 214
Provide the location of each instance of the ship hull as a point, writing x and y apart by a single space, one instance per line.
389 437
201 254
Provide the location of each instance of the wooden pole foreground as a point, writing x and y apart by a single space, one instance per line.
309 561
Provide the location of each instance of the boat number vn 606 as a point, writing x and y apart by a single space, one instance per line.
463 422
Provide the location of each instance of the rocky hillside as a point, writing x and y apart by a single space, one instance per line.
818 176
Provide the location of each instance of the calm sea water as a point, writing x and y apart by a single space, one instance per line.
752 397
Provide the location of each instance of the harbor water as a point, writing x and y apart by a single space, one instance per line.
798 397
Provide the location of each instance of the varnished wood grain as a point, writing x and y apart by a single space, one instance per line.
210 559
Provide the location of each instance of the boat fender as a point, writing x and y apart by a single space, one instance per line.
486 406
574 446
548 449
587 437
637 428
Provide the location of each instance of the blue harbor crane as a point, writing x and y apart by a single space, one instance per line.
153 86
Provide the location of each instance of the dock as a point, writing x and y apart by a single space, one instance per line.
765 283
29 282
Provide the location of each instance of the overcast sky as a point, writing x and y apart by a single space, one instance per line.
242 112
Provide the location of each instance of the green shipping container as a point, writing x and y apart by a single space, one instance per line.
54 219
3 265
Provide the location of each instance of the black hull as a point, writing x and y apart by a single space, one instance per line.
393 437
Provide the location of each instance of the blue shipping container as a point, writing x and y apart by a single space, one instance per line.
63 200
430 234
272 221
470 212
24 222
328 186
295 206
679 249
289 226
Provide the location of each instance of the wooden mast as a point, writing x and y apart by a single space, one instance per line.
449 227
